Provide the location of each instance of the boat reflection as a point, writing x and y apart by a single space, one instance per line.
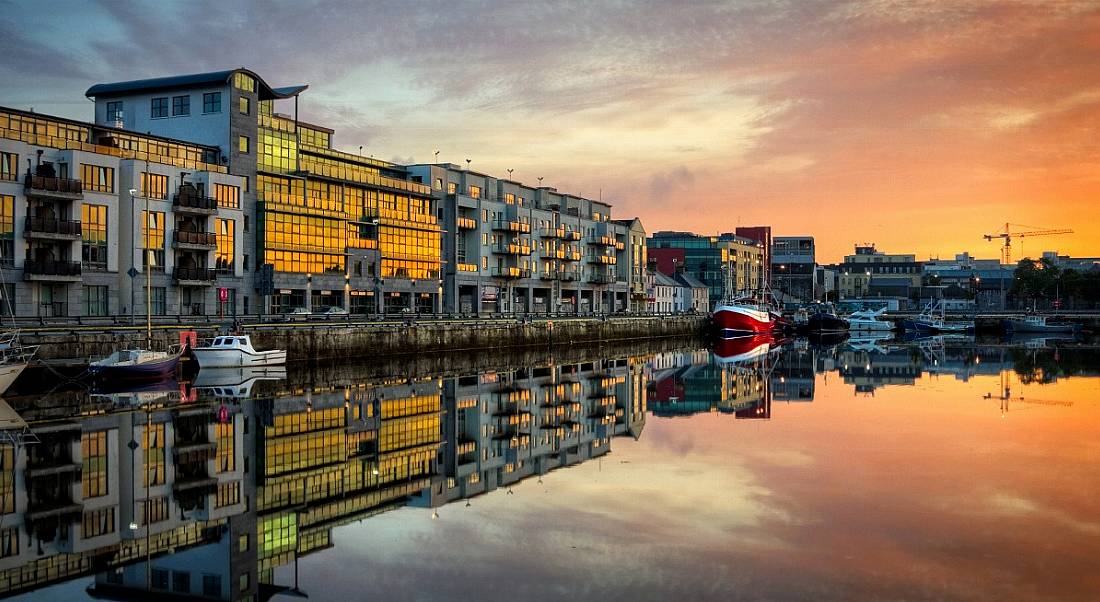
206 488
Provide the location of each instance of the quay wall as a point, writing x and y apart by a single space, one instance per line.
342 339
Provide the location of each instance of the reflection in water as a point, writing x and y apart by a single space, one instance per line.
207 487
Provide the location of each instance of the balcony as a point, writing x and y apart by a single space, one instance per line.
49 270
569 276
572 235
194 204
511 249
602 241
619 245
548 275
50 228
509 226
601 278
466 223
552 233
54 188
571 256
506 272
602 259
198 241
195 276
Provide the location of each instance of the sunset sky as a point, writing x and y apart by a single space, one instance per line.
916 125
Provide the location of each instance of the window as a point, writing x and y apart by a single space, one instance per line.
212 102
225 229
114 111
181 582
227 196
93 476
439 183
229 494
9 166
244 581
242 543
155 510
153 443
452 187
7 480
242 145
152 236
475 192
244 82
212 586
98 178
245 105
93 232
9 542
159 108
158 296
98 522
7 229
154 186
160 578
94 300
181 106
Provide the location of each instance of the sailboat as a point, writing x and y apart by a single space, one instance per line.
14 356
139 364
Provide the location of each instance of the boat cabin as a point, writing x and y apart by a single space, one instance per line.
232 342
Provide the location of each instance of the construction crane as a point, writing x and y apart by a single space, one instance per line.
1008 235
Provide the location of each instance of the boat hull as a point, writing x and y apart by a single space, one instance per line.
1011 325
8 374
146 371
921 326
870 326
237 358
826 323
742 349
734 320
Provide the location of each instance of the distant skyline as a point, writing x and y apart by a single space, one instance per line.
916 125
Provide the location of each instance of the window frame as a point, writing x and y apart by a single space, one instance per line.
183 104
158 104
211 99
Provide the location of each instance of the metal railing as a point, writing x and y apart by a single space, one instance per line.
206 239
202 274
49 225
47 184
194 202
51 268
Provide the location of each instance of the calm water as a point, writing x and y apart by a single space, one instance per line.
938 469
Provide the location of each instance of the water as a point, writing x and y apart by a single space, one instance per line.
938 469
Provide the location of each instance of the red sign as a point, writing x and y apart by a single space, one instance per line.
223 294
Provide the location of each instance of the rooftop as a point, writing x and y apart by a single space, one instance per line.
265 91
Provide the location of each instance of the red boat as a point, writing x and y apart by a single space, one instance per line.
743 349
742 317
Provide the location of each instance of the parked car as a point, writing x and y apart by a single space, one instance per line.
333 311
297 313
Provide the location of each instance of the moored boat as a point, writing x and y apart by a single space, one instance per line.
14 358
742 317
1034 323
136 364
868 320
933 320
236 351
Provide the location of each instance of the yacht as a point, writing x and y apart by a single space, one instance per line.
868 320
236 351
136 364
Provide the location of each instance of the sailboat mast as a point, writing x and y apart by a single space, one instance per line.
148 254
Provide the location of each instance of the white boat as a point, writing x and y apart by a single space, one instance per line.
933 320
14 357
234 383
867 320
236 351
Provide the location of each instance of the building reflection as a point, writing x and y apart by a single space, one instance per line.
207 490
685 383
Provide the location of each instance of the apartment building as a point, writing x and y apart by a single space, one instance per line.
322 228
82 206
729 265
870 272
513 248
792 270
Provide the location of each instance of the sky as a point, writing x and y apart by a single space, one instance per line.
916 125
